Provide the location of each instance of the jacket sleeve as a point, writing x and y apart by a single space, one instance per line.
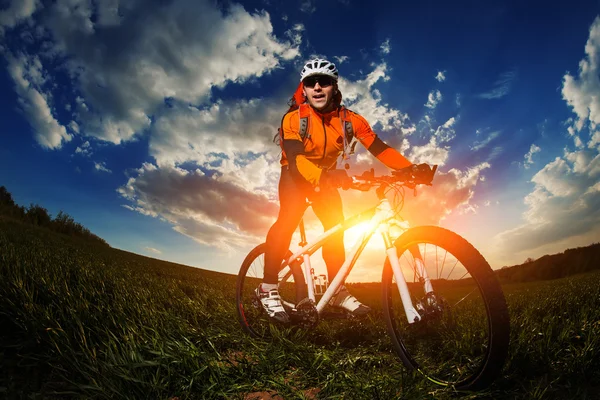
384 153
302 169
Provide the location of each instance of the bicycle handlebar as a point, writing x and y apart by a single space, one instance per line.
421 174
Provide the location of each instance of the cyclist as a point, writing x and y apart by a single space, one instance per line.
308 172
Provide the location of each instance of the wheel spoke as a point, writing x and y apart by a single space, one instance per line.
413 266
452 270
437 274
443 263
467 295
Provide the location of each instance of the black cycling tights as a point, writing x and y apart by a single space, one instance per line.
327 205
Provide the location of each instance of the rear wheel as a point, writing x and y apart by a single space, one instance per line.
462 337
292 289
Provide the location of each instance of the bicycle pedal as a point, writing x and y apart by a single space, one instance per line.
305 314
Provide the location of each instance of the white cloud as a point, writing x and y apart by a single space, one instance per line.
85 149
101 166
233 129
430 153
445 132
433 99
74 126
496 151
210 209
295 34
146 53
341 59
529 156
108 12
502 86
581 92
436 151
362 97
594 140
308 6
153 250
385 47
561 207
440 77
486 141
28 75
550 178
17 11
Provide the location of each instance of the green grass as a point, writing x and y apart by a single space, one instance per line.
85 321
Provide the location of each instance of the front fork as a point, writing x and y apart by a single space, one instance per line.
412 315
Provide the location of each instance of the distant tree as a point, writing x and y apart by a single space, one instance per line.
64 223
8 206
6 198
38 215
570 262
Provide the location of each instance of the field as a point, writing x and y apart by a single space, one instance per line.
85 321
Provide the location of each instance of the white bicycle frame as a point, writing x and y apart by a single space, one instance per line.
382 220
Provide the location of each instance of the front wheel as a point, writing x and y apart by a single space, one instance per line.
292 288
462 338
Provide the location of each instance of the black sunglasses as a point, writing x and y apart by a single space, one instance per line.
324 81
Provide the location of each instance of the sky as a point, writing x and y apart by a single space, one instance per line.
151 122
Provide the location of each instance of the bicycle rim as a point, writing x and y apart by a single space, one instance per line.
462 339
251 315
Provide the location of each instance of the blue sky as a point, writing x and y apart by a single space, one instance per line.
150 122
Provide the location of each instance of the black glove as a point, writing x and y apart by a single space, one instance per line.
417 173
422 173
335 178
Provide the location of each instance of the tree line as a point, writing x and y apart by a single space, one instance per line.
39 216
570 262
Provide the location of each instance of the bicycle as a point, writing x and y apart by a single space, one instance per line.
448 322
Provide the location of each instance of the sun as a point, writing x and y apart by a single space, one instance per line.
354 234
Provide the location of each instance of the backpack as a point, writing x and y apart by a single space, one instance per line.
304 115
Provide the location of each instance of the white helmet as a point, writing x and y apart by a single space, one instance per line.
319 66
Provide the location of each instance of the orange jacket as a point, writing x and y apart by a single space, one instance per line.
324 143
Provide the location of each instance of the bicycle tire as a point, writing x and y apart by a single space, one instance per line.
422 345
251 316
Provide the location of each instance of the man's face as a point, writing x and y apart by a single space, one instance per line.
319 90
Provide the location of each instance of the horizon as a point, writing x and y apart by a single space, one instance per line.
152 125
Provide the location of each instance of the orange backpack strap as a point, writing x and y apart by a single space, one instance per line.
347 124
349 139
304 115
